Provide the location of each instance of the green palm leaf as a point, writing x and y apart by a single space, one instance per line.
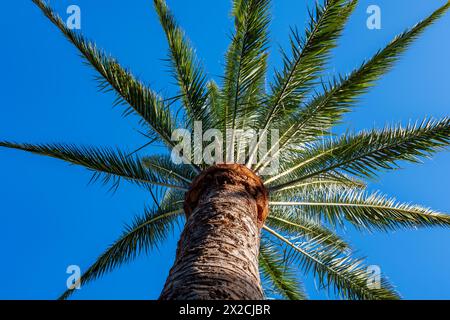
326 109
325 181
151 108
165 167
309 56
348 276
245 64
108 164
278 274
188 71
364 210
143 235
364 153
293 222
245 58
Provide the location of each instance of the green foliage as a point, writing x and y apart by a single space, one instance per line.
279 276
319 186
290 221
308 58
144 234
348 276
187 70
245 62
363 210
364 153
108 165
326 109
141 100
163 166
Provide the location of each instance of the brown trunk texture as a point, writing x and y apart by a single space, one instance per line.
217 254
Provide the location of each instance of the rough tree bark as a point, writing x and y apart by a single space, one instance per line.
217 255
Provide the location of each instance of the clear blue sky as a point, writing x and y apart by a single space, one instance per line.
50 218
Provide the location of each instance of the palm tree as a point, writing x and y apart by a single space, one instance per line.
239 225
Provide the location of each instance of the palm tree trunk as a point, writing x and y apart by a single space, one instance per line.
217 255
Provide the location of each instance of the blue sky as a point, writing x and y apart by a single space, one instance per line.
50 218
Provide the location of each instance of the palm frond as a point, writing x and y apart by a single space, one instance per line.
291 221
245 63
364 153
346 275
309 56
215 103
150 107
108 164
364 210
327 108
143 235
165 167
279 275
187 70
328 180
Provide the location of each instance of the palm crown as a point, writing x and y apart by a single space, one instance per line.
320 183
